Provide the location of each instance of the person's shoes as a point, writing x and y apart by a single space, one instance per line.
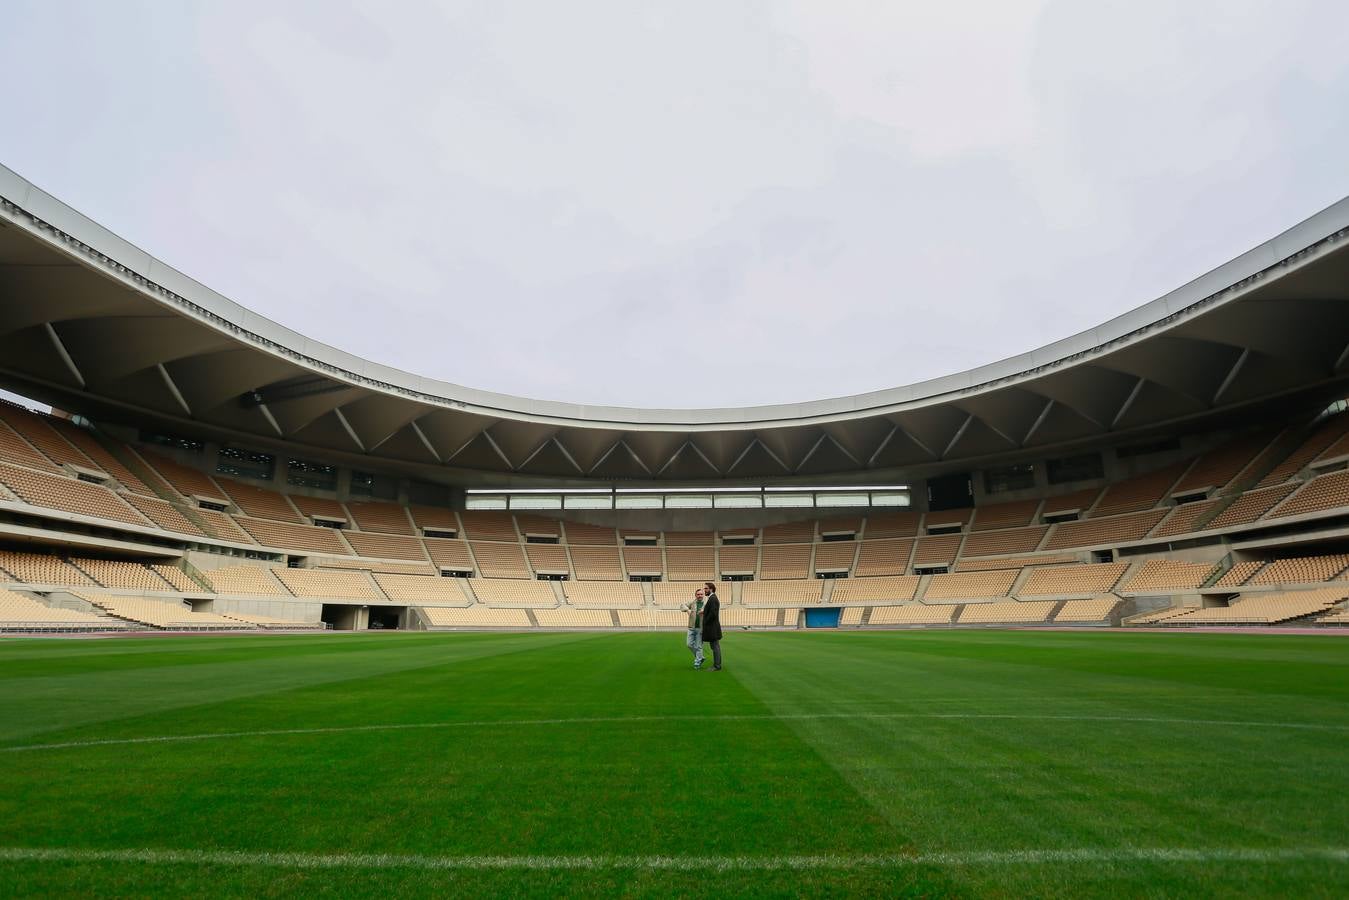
716 668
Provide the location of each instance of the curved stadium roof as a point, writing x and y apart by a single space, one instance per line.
91 323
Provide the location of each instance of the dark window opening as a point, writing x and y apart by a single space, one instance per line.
456 573
551 576
440 532
1161 445
207 504
1192 497
1083 467
542 539
832 575
1051 518
643 578
304 473
639 541
1009 478
737 540
930 570
945 529
245 463
739 577
838 536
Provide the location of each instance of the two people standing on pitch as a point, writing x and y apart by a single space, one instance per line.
704 625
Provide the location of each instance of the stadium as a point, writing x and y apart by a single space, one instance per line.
526 449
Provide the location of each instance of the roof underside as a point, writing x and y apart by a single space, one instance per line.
90 324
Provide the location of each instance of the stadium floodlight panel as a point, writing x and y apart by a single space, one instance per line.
498 491
841 487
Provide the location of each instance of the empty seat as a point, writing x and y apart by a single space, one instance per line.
329 584
164 514
1077 501
1239 573
936 550
1098 609
689 538
912 614
1320 494
447 553
604 594
548 559
1012 540
1216 468
565 617
483 525
781 593
1185 518
1090 578
738 560
1250 506
288 536
596 563
1005 515
677 593
1103 532
883 557
1006 612
436 517
246 580
1264 609
1322 437
474 617
836 556
385 546
319 507
69 495
164 614
20 613
116 573
499 560
41 568
690 563
880 589
1139 492
1301 570
187 481
422 589
1013 562
581 533
892 525
510 592
260 503
789 533
970 585
789 561
1166 576
643 561
538 526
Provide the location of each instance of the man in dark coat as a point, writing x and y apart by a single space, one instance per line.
712 624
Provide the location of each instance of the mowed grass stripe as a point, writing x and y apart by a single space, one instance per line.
676 863
639 720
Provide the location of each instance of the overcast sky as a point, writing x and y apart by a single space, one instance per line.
684 204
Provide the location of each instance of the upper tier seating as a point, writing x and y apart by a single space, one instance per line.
385 546
1183 518
499 560
510 592
69 495
185 480
839 525
581 533
548 559
677 593
423 589
1302 570
116 573
178 579
481 525
1077 501
789 533
1005 515
223 526
103 459
475 617
597 563
391 518
14 449
881 589
690 538
321 507
261 503
20 613
892 525
329 584
604 594
1006 611
789 561
970 585
1095 610
286 536
1249 507
1216 468
912 614
936 550
1140 492
538 526
1326 492
1321 438
448 553
1264 609
1013 562
376 565
566 617
643 561
252 581
806 592
164 514
1162 576
835 556
690 563
884 557
738 560
436 517
1013 540
1092 578
1107 532
947 518
35 429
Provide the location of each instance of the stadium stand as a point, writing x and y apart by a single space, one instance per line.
273 623
1103 532
650 618
1238 574
970 585
329 584
223 526
835 556
785 561
186 481
1012 540
947 518
884 557
1092 578
422 589
177 579
1079 502
14 449
582 533
1323 436
286 536
740 617
1138 493
499 560
488 526
1160 576
68 495
1263 609
513 592
1320 494
565 617
442 520
1214 470
41 568
690 563
538 526
385 546
851 615
38 433
936 550
604 594
19 613
548 559
447 553
1095 610
261 503
1005 515
163 614
689 538
114 573
377 565
881 589
912 614
1249 507
738 560
1007 612
892 525
806 592
246 580
643 561
1185 517
596 563
1301 570
789 533
163 514
1013 562
321 507
676 593
474 617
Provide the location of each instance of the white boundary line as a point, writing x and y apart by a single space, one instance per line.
596 720
282 860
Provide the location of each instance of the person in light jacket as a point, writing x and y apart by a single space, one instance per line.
695 640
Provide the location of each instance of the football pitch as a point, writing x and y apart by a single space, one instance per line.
884 763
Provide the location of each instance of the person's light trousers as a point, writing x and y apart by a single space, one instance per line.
695 644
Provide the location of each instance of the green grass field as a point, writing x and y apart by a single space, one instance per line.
971 763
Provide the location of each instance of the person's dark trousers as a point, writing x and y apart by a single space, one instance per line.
716 654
